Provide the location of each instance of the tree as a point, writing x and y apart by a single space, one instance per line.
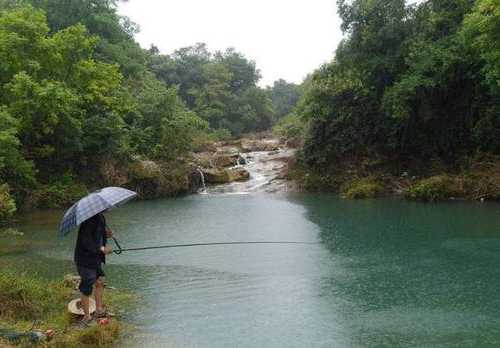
284 97
218 87
407 81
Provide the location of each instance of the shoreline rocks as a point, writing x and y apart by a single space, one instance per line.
224 176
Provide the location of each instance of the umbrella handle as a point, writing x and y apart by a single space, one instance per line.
119 250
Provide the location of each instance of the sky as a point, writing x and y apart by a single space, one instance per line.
286 38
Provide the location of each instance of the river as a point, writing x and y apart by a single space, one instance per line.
384 272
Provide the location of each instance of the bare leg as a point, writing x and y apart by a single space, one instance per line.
99 290
85 306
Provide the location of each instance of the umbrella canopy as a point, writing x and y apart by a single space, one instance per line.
93 204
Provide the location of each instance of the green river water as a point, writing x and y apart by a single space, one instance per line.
386 273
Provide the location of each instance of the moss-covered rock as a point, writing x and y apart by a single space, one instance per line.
216 176
144 169
363 189
164 179
436 188
224 176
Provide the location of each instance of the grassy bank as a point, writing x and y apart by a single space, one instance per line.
474 179
150 179
27 301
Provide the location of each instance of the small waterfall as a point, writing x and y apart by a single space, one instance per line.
202 176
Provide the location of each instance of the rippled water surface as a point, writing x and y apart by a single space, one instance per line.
385 272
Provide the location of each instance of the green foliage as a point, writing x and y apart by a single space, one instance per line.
219 87
284 97
57 194
14 169
7 204
290 127
409 82
26 298
435 188
481 30
75 89
362 189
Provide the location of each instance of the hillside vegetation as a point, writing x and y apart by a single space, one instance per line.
82 105
413 91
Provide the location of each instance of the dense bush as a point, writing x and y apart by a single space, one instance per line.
362 189
410 81
436 188
56 195
290 127
7 204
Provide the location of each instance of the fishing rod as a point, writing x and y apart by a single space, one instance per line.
120 249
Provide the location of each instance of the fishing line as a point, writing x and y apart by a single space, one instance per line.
120 249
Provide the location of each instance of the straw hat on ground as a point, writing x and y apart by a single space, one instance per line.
75 306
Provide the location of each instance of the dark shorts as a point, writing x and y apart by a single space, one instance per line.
88 278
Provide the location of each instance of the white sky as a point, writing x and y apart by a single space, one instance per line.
286 38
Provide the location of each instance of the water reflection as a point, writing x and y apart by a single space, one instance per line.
423 275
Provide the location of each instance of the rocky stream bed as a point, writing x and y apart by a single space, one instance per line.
244 166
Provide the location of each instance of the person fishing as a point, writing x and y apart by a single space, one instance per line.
90 253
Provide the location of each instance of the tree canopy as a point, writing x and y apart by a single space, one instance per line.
77 89
408 81
220 87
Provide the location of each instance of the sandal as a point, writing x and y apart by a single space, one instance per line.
102 314
84 324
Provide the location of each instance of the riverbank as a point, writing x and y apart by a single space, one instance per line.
214 162
29 304
476 179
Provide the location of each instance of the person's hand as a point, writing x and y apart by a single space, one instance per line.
106 250
109 233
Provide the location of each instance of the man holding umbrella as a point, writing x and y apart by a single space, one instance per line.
90 254
91 246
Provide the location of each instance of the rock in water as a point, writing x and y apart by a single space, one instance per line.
239 174
224 176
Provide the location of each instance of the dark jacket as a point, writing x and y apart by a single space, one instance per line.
91 236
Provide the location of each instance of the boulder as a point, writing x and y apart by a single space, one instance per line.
144 169
112 173
226 160
239 174
260 145
204 159
216 176
224 176
218 160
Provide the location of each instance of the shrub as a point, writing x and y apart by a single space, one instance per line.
482 181
58 194
7 204
290 127
362 189
436 188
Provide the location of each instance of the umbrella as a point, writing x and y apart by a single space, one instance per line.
93 204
